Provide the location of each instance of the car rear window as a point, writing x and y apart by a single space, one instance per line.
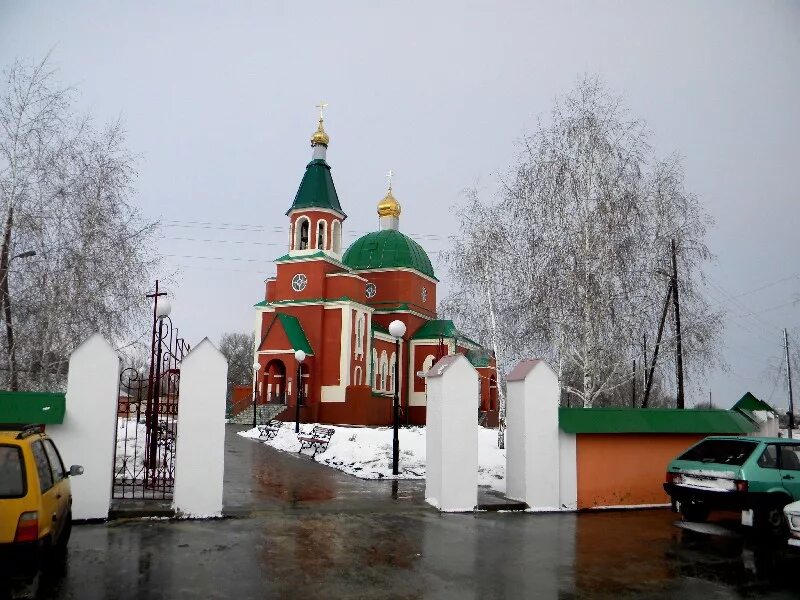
723 452
12 472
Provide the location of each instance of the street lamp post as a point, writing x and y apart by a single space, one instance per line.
5 301
299 356
397 329
256 367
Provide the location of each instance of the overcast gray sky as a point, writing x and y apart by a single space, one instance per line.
218 99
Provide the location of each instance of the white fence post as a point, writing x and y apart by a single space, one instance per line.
540 469
200 451
86 437
451 480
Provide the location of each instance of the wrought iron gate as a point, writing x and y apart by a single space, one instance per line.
147 417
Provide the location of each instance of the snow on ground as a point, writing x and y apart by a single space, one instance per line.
131 436
366 452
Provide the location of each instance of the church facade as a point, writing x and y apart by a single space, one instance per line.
336 306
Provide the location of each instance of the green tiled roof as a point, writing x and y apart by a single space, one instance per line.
32 407
294 331
387 249
436 328
652 420
750 403
316 189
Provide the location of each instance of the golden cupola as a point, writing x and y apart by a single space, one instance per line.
320 137
389 206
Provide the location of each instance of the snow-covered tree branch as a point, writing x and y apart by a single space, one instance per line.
576 249
65 194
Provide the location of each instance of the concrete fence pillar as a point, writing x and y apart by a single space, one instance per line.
200 451
451 480
540 459
86 437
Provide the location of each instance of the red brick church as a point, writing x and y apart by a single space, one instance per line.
336 306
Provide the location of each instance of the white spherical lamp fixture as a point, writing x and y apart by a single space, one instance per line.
256 366
163 308
397 329
299 356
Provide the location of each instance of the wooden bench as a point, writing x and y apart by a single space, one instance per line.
318 439
270 430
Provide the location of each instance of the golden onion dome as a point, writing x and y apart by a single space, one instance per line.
320 137
389 206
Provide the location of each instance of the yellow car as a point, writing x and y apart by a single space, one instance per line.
35 498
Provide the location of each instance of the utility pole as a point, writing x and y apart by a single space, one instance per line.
5 300
655 350
789 382
644 362
678 347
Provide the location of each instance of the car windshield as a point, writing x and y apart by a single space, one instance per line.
12 480
723 452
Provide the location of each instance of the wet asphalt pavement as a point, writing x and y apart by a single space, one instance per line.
300 530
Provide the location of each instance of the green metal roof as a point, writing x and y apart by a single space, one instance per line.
294 331
264 303
435 329
479 358
387 249
652 420
316 189
750 403
32 407
306 257
380 328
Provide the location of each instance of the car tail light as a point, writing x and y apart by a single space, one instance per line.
27 527
741 486
674 478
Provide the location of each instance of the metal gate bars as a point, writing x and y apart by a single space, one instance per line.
147 415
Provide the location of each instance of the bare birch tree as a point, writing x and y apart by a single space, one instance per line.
65 195
576 246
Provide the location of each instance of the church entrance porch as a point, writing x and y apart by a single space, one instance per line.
274 382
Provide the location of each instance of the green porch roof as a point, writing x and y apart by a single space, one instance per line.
380 328
316 189
750 403
652 420
32 407
294 332
387 249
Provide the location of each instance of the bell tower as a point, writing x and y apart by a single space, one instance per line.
316 217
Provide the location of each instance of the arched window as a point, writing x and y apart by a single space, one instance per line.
357 376
375 374
336 236
321 227
426 365
392 382
384 369
301 228
359 335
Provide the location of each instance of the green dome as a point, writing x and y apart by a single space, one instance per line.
387 249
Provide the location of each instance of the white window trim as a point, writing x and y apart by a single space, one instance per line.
324 235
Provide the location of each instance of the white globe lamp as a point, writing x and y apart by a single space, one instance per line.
397 329
163 308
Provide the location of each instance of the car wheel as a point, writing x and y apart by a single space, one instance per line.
696 512
63 539
770 518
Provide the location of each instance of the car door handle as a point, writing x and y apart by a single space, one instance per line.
788 477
